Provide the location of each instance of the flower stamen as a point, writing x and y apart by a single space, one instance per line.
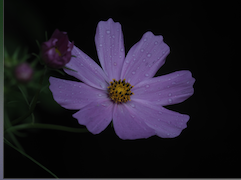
57 51
120 91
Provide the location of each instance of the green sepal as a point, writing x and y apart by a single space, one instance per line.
69 69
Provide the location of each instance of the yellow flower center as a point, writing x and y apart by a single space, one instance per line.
57 51
120 91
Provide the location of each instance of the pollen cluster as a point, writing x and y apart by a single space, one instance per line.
120 91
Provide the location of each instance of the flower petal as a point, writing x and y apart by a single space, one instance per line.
96 116
88 70
128 124
166 123
137 119
144 58
165 90
74 95
110 47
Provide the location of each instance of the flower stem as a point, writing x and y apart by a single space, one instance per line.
36 162
34 102
45 126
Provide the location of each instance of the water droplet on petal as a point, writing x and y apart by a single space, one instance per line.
101 45
160 112
149 55
60 87
146 75
115 64
133 72
170 94
170 100
99 95
142 50
147 86
121 49
144 60
108 31
144 40
187 82
79 86
156 43
133 105
81 65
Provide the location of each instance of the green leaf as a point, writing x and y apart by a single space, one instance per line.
24 94
38 44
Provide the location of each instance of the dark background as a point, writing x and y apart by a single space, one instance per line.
202 38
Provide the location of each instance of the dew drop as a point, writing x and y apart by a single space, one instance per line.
121 49
60 87
99 95
108 31
163 52
173 82
147 86
158 119
146 75
79 86
187 82
144 40
132 116
127 61
113 36
170 100
101 45
133 105
170 94
156 43
148 55
133 72
160 112
81 65
115 64
142 50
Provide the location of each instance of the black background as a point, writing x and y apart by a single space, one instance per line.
202 38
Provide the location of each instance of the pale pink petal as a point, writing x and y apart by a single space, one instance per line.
96 116
74 95
110 47
88 70
164 90
144 58
137 119
128 124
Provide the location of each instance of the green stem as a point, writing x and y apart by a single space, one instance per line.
45 126
33 104
7 124
36 162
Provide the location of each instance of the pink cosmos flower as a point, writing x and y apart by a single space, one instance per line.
125 90
56 52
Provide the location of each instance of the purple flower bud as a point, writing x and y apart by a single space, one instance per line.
23 72
56 52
